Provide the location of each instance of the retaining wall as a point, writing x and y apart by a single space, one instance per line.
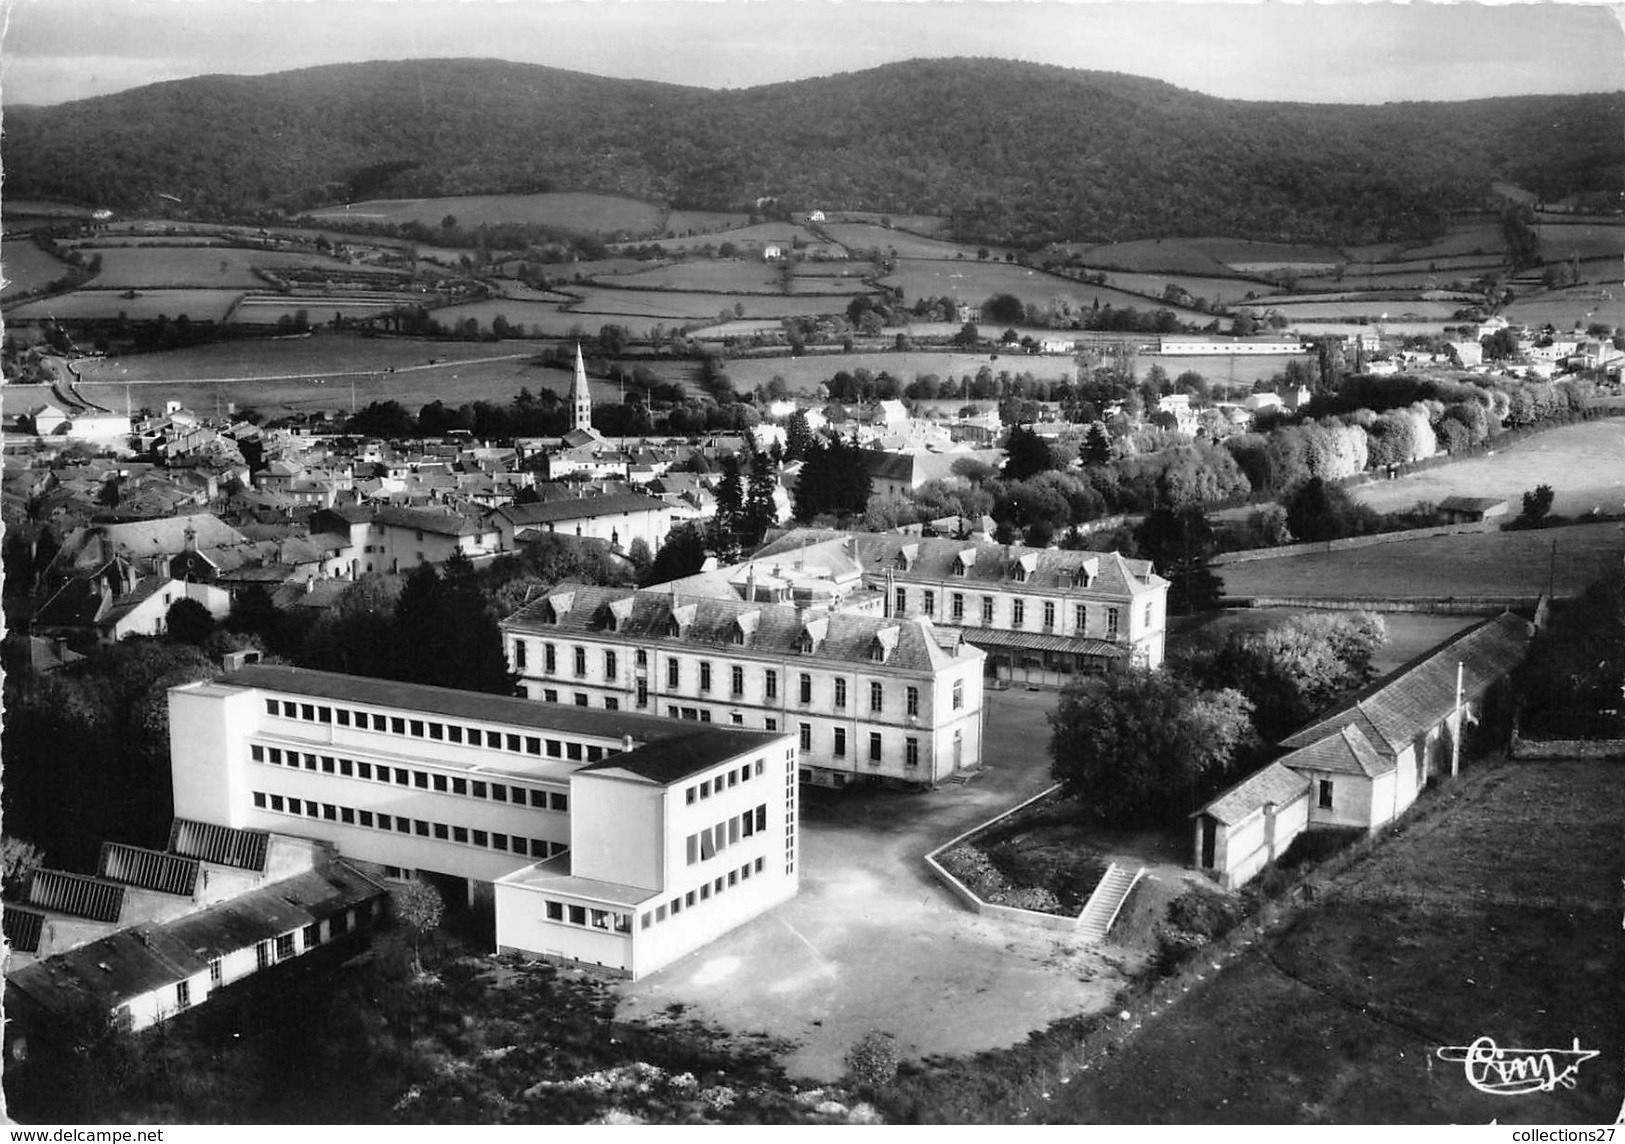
1437 605
988 909
1566 748
1248 555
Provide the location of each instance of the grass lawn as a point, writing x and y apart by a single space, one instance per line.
865 236
1468 564
745 275
582 213
1584 463
1495 914
1587 239
26 267
198 305
217 267
1571 306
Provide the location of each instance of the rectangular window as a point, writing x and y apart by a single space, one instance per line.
643 692
876 696
611 703
417 728
363 770
610 665
499 792
959 694
1080 617
840 742
454 733
284 946
550 658
257 753
513 743
217 973
346 767
770 684
262 955
324 714
1018 612
555 911
736 680
580 662
913 700
459 834
840 692
1049 613
705 789
771 724
806 688
290 710
437 731
806 736
911 752
1325 794
276 755
1148 613
901 606
642 658
874 746
673 673
272 707
705 675
276 802
259 799
928 602
343 715
957 607
987 610
307 712
581 698
1111 623
364 817
761 818
499 841
440 783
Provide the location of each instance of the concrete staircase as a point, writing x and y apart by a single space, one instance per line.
1101 910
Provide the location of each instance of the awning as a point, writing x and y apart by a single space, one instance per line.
997 638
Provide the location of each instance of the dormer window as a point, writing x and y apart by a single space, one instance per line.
804 644
681 619
1025 567
744 626
907 556
617 613
884 643
812 635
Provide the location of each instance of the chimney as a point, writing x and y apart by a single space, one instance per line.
626 742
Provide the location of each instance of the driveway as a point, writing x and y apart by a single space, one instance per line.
874 942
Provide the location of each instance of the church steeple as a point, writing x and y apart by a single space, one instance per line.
580 398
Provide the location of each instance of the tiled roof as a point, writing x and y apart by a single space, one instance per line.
441 523
580 508
778 627
933 558
1347 752
1393 711
1274 783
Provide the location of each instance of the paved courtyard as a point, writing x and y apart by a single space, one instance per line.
874 942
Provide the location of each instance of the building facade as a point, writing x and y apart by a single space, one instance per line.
540 809
1042 615
864 697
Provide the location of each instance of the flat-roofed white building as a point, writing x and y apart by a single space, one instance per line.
865 697
571 821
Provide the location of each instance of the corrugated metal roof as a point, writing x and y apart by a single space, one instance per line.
23 928
222 845
76 894
149 869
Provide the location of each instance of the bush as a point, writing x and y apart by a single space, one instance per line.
872 1060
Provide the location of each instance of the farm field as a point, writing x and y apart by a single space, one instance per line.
1484 237
1166 256
198 305
1223 369
755 234
222 267
811 370
866 236
584 213
1403 308
976 282
595 268
26 267
1465 564
1417 279
678 306
258 309
928 226
1214 289
1584 463
310 356
742 275
1570 306
684 222
1586 239
1494 913
1313 327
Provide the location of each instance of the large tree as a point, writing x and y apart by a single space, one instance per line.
1026 455
1143 747
1179 544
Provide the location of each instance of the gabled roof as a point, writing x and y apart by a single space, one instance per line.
1273 783
1348 752
580 508
1418 696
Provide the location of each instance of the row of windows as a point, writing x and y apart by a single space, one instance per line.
572 914
911 745
736 681
440 831
435 731
702 894
420 780
711 841
729 778
1018 611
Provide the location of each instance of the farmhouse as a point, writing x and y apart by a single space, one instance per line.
1471 510
600 837
1362 766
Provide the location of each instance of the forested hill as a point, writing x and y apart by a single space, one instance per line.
1013 151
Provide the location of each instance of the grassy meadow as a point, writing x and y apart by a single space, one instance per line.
26 267
581 213
147 305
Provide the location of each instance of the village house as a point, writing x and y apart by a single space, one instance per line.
600 837
867 698
1363 765
389 539
617 518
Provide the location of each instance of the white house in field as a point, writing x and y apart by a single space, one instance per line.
601 837
1363 765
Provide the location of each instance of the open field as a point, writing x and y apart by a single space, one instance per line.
1466 564
1495 913
756 235
198 305
699 222
583 213
1587 239
1214 289
865 236
267 309
1484 237
975 282
1170 256
224 267
26 267
1584 463
928 225
595 268
1223 369
1571 306
674 306
741 275
1401 309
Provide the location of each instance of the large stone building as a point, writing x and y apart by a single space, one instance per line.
1041 614
602 837
865 697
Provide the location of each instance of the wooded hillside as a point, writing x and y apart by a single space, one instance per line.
1011 151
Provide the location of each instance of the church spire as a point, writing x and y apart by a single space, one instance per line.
580 398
